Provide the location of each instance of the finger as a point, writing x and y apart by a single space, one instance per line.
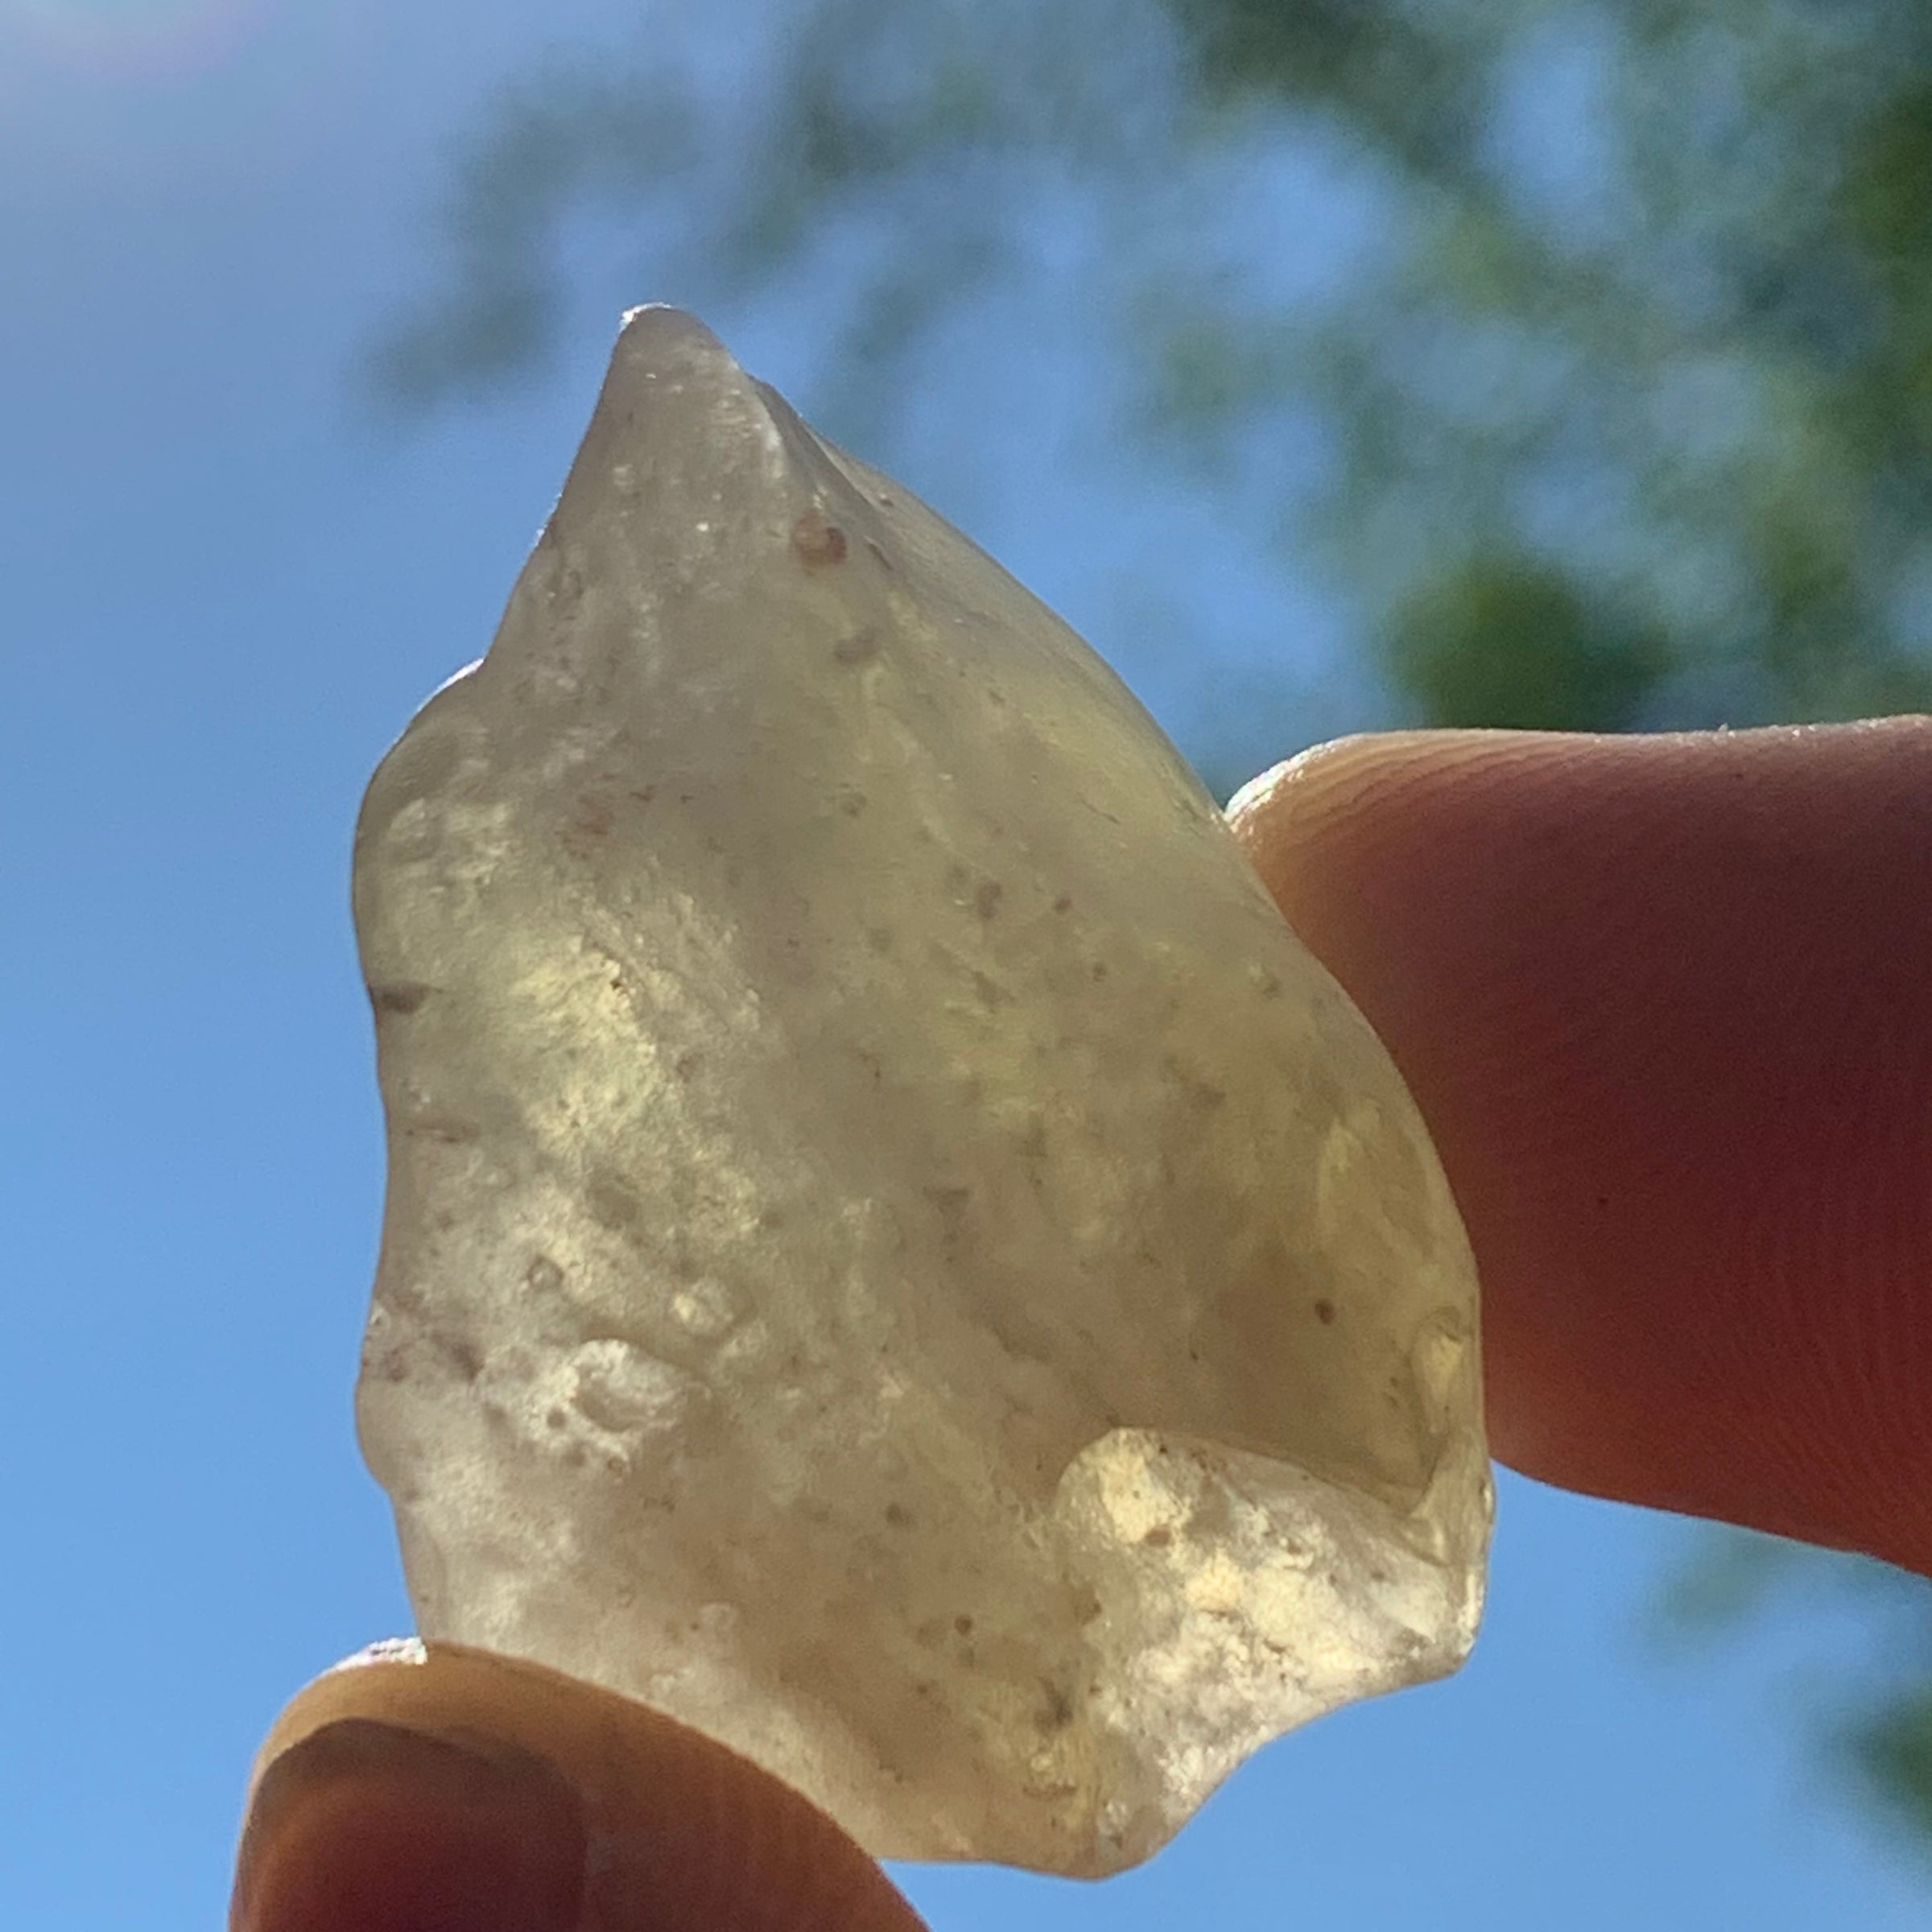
1666 1005
415 1791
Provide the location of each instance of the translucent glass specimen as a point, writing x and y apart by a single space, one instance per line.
895 1254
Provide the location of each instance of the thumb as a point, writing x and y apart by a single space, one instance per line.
450 1791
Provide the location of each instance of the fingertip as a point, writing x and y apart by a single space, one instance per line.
1666 1004
448 1788
367 1825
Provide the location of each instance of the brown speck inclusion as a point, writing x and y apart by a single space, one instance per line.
812 1232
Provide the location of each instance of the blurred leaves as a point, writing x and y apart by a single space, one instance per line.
1616 320
1508 641
1873 1689
556 141
1892 1750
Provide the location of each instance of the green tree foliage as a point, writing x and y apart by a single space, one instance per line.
1625 358
1870 1687
1891 1747
1611 324
1508 641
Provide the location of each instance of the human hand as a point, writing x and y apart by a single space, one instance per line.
1666 1005
447 1791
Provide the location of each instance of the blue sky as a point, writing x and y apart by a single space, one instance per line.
223 595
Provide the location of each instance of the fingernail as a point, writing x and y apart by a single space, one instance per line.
365 1827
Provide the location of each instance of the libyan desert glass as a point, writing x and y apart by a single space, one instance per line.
895 1254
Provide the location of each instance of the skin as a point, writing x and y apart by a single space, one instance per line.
1666 1004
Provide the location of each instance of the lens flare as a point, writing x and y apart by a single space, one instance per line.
134 36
